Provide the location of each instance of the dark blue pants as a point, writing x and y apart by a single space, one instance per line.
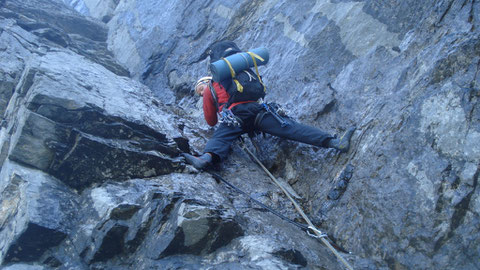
225 135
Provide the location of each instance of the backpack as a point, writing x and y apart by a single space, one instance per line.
245 85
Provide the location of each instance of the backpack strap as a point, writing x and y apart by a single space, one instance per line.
254 56
232 72
215 97
214 94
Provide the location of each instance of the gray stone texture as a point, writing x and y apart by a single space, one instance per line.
96 106
38 212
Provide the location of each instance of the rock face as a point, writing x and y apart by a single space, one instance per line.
96 106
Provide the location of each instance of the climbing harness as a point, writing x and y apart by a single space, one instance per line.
225 115
318 234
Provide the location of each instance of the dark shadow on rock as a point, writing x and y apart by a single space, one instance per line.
32 243
292 256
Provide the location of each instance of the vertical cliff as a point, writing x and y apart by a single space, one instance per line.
97 105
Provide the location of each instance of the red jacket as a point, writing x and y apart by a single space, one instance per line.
209 108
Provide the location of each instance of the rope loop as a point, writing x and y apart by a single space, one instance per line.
317 233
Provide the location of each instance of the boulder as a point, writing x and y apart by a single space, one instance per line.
38 212
64 127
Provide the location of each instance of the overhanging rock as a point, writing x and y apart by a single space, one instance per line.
86 125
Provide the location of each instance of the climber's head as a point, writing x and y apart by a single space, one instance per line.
202 84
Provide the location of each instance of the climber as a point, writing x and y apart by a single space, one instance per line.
238 118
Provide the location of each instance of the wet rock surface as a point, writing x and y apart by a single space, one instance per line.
96 106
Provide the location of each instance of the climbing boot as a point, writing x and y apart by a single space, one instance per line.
343 143
200 162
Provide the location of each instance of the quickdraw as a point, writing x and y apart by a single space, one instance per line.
227 117
276 112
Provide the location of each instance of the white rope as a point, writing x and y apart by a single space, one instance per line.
317 232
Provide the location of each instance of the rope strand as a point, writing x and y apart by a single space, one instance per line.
320 235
